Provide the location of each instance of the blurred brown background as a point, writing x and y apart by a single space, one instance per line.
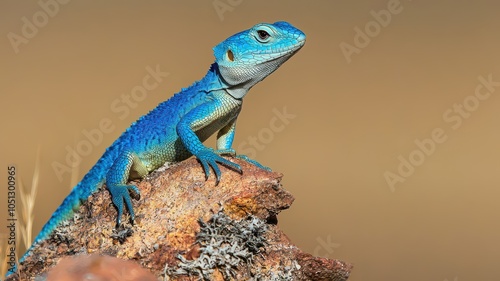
357 117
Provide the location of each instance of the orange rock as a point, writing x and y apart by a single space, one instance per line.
176 207
96 267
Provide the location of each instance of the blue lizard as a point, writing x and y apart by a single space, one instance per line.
176 128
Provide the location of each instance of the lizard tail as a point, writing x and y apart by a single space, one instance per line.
79 194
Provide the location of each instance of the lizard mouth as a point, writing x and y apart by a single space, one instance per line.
292 50
287 54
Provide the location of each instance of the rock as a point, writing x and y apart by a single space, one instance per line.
187 228
96 267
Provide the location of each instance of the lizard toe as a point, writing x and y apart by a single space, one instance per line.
210 159
254 162
120 195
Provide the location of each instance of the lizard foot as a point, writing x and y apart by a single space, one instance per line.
251 161
232 153
209 159
120 194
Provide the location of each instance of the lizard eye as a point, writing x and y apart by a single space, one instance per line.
263 35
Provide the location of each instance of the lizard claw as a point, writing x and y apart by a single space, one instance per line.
209 159
120 194
254 162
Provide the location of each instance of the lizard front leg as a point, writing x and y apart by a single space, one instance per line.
196 120
117 178
225 138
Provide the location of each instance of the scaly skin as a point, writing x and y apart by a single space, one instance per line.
176 128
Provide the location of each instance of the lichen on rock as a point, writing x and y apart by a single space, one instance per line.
224 245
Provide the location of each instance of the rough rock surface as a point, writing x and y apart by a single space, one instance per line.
187 228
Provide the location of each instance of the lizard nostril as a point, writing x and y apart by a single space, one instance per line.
230 55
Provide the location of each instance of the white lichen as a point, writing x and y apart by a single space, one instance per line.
224 244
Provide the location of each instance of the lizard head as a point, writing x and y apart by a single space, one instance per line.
248 57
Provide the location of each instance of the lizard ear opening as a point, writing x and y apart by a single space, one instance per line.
230 55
